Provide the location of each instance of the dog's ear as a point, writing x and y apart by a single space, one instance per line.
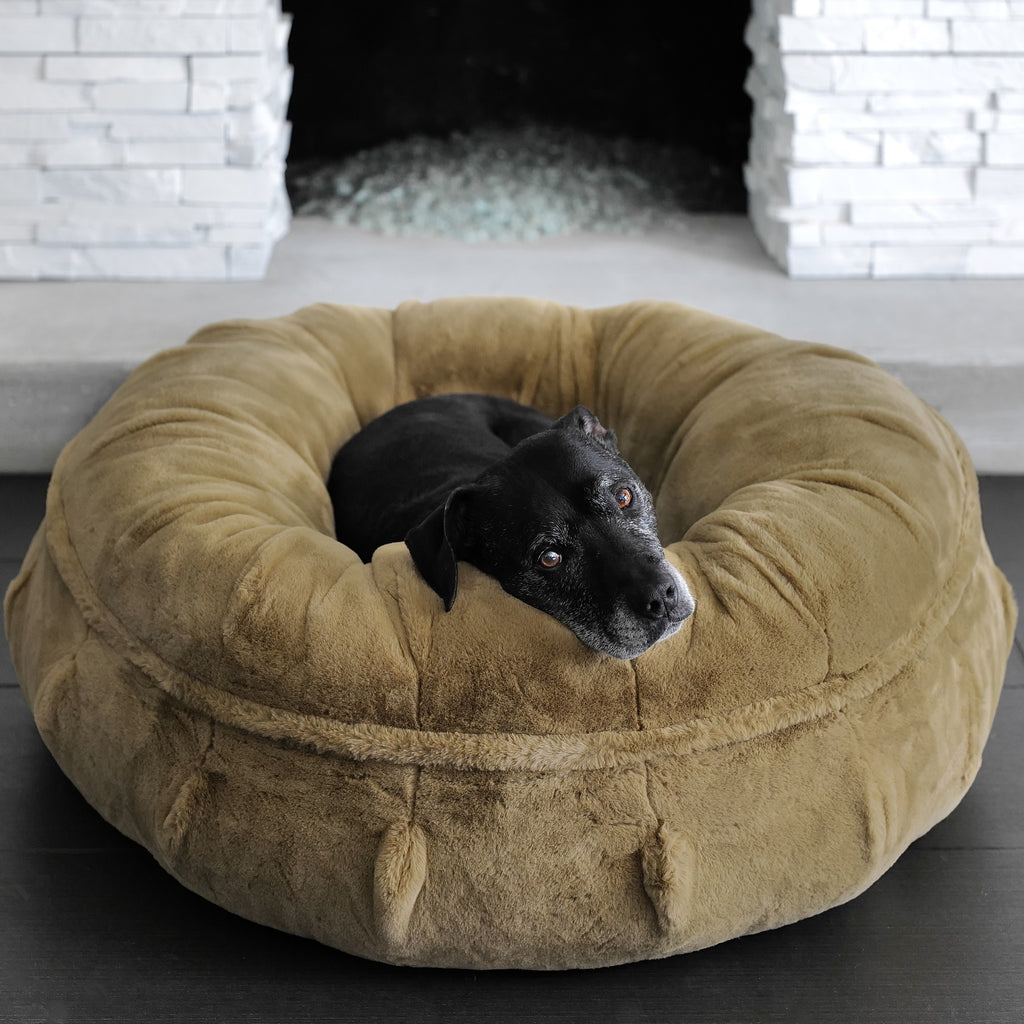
435 543
583 420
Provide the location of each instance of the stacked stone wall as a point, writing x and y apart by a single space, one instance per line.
888 136
142 139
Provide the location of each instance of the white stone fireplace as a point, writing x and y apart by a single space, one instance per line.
888 136
142 139
146 139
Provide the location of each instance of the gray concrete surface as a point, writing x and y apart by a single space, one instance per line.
64 346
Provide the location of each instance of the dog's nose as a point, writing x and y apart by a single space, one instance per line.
665 599
662 601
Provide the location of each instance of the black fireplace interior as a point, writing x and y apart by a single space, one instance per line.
672 74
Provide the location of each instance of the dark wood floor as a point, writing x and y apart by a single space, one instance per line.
92 930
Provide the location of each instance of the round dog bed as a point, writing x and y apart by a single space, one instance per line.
315 744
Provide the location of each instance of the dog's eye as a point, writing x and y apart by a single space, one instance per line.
623 497
549 559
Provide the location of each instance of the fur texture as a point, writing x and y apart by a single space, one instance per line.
310 742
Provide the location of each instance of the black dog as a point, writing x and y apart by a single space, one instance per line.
549 508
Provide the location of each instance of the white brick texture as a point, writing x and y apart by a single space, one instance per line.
18 186
33 126
37 35
115 69
965 9
21 67
1000 183
988 36
903 148
153 35
230 186
821 35
1005 150
995 261
155 96
26 96
920 261
871 73
142 139
869 8
888 136
112 185
911 35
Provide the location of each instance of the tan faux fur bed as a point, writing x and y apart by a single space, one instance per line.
313 743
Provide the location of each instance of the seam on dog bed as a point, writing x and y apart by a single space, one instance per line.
578 361
399 872
575 364
636 695
193 794
335 368
669 864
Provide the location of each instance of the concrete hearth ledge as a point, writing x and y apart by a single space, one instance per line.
64 346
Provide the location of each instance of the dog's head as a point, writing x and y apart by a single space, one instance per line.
564 524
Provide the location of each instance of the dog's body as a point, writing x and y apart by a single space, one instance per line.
549 508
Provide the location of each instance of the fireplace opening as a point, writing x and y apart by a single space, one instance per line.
517 119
